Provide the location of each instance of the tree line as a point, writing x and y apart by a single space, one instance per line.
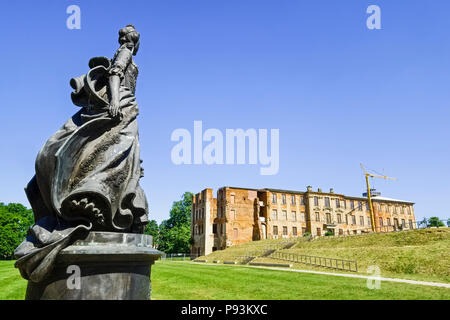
174 234
171 236
15 219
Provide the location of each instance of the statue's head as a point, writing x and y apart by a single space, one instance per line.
129 36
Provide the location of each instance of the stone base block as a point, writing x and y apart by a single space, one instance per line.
104 266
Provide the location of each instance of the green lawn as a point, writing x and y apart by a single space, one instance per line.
12 285
184 280
194 281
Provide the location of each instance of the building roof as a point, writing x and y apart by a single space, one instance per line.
283 191
374 198
240 188
378 198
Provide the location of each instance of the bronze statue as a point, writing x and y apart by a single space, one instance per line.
87 173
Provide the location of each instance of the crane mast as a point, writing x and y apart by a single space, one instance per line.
369 198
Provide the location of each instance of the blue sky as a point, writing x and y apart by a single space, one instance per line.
340 94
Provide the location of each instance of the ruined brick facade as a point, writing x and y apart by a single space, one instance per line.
240 215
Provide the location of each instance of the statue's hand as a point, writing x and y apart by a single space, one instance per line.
114 109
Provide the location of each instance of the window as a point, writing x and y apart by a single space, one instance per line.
403 223
361 221
319 231
381 222
283 199
367 206
215 228
223 228
388 220
303 230
294 231
302 201
235 233
317 216
233 214
369 222
292 199
275 230
232 198
352 204
316 201
353 220
294 215
346 219
284 215
274 198
339 218
359 205
338 203
327 202
409 210
344 204
410 224
274 215
341 232
285 231
328 218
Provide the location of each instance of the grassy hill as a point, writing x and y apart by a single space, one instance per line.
416 254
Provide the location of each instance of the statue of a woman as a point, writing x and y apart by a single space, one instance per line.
87 173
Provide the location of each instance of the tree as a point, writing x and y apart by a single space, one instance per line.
180 214
435 222
175 240
448 222
424 223
175 233
15 219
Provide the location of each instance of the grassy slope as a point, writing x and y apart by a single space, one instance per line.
194 281
235 253
416 254
184 280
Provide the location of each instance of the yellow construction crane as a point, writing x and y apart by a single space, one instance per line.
369 198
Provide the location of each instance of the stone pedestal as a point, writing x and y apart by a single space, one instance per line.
104 266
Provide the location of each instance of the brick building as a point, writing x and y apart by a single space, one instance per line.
239 215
